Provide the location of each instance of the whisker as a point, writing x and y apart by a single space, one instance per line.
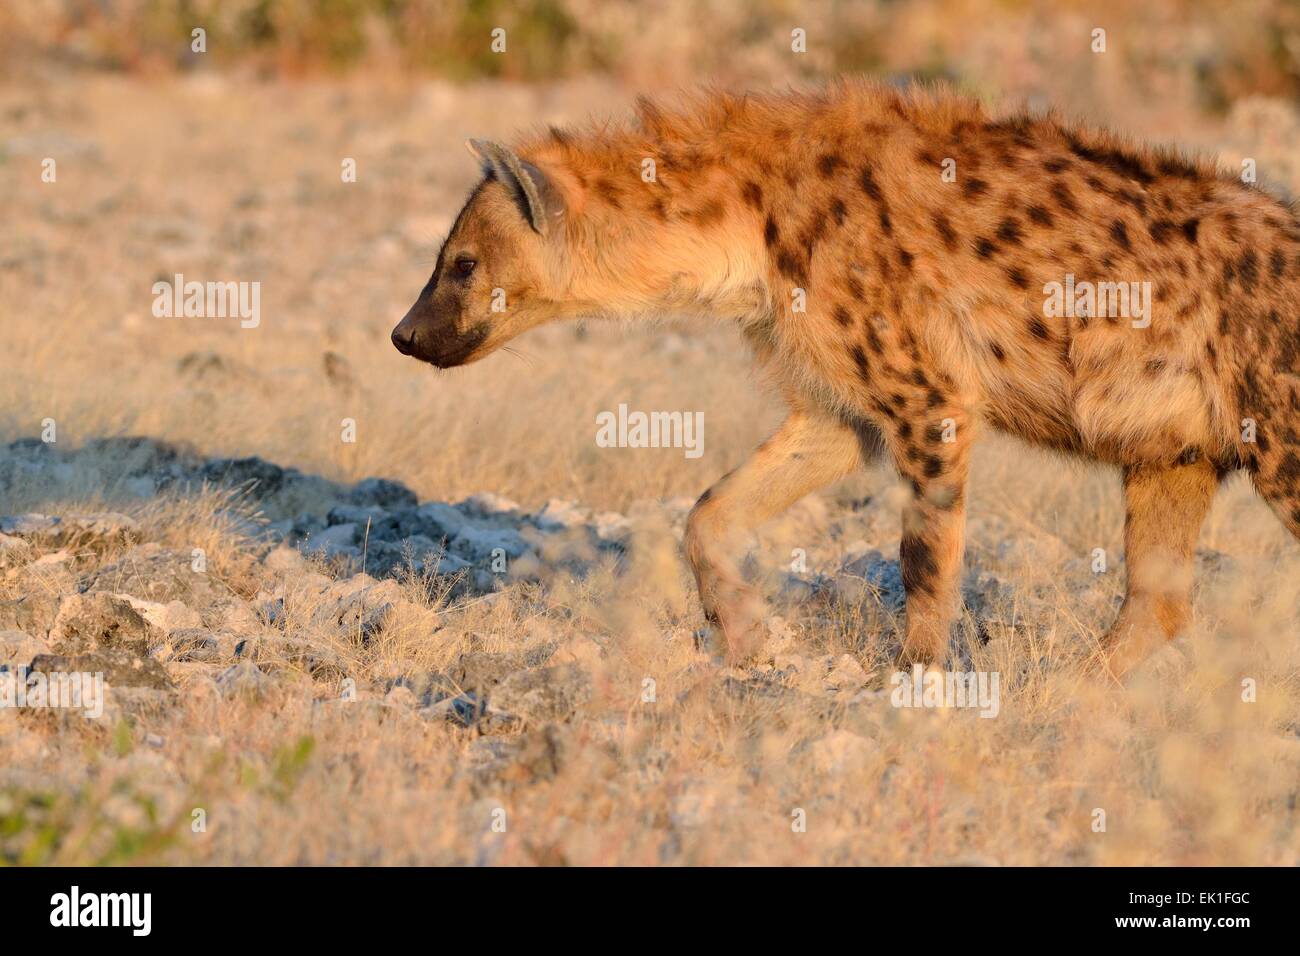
526 359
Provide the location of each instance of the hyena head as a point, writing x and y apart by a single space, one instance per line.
496 273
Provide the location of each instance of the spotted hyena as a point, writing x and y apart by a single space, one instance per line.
910 271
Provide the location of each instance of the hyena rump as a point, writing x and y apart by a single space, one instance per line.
887 256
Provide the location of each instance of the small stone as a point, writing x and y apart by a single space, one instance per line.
382 492
464 710
30 525
337 539
120 667
438 521
484 544
85 622
543 694
846 675
242 680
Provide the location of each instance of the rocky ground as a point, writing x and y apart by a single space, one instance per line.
351 552
282 647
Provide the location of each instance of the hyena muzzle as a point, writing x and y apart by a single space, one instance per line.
910 270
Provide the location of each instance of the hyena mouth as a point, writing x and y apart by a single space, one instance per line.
447 353
461 350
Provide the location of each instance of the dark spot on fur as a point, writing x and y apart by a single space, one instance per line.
827 163
997 351
1040 215
918 564
839 212
1136 200
813 232
770 233
974 187
985 248
1115 160
873 340
1119 232
1170 164
711 212
1056 165
1038 329
792 266
860 360
1248 269
1161 230
869 184
905 260
944 228
609 192
1064 198
752 193
1016 276
1009 231
1288 470
885 225
1190 228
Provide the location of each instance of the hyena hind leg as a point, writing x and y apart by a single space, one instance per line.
1279 484
808 451
1165 507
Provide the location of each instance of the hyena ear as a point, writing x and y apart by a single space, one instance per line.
540 200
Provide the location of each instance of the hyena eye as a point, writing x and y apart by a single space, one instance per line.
465 266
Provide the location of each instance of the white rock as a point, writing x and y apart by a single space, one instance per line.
558 514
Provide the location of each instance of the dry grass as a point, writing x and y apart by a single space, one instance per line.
222 180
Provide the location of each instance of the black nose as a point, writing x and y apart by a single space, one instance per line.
404 338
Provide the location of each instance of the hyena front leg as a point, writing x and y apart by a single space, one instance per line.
1165 506
808 451
935 457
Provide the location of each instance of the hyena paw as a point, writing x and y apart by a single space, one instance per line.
1136 635
735 626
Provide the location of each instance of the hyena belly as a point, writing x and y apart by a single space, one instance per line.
1100 387
1144 397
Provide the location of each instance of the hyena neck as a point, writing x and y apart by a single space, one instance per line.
653 226
714 206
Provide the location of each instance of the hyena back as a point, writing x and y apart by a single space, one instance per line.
909 270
